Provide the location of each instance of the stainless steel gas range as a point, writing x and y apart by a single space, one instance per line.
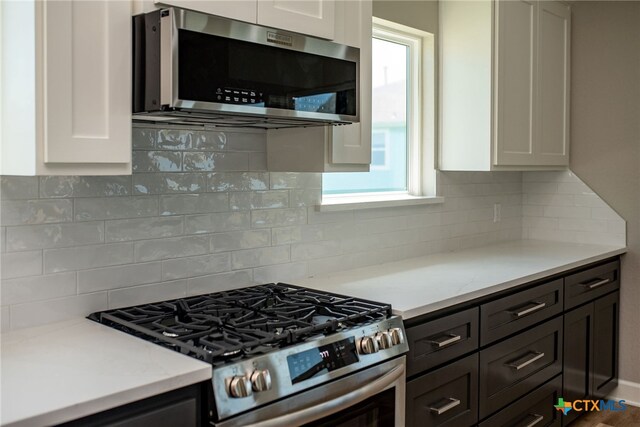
284 355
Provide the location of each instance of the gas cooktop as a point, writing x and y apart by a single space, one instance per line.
230 325
267 342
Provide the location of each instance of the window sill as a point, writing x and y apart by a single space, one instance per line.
342 203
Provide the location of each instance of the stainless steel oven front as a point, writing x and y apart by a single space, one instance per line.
372 397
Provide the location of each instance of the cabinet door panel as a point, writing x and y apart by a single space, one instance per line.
516 38
553 84
534 409
87 84
313 17
445 397
605 345
512 368
578 341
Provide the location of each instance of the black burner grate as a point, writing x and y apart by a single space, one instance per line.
233 324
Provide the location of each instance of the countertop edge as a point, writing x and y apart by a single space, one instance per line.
95 406
460 299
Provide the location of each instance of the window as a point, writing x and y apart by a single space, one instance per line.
400 112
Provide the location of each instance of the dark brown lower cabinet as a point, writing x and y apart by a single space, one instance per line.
534 409
445 397
512 368
591 351
182 407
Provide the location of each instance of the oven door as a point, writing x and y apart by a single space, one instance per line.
373 397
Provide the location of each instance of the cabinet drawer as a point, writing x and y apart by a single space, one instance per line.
592 283
445 397
513 313
535 409
441 340
512 368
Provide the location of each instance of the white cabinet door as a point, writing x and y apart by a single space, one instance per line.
312 17
86 75
516 38
242 10
351 144
552 147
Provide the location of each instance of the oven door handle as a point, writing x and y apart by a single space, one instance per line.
335 405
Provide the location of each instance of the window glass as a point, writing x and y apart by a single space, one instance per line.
390 63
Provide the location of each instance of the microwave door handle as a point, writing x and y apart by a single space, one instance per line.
335 405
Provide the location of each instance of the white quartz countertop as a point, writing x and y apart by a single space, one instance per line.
422 285
64 371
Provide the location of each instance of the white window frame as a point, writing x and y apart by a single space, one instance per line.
421 174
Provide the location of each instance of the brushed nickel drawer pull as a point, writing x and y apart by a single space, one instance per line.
517 366
536 419
439 410
596 284
446 340
536 307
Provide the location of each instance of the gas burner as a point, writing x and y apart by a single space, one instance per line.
238 323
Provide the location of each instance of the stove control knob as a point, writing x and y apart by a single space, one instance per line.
240 386
261 380
397 336
384 340
368 345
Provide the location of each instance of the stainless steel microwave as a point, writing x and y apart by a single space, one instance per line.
191 67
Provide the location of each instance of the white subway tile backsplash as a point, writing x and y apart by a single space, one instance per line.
147 293
236 240
305 251
36 288
56 310
248 200
122 230
20 264
22 212
566 212
278 217
201 214
286 180
157 161
121 276
220 282
238 181
46 236
207 162
86 257
175 247
169 183
18 187
90 209
249 258
284 235
196 266
180 204
216 222
289 272
84 186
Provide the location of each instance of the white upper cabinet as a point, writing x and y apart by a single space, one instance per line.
553 77
242 10
504 85
313 17
74 111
